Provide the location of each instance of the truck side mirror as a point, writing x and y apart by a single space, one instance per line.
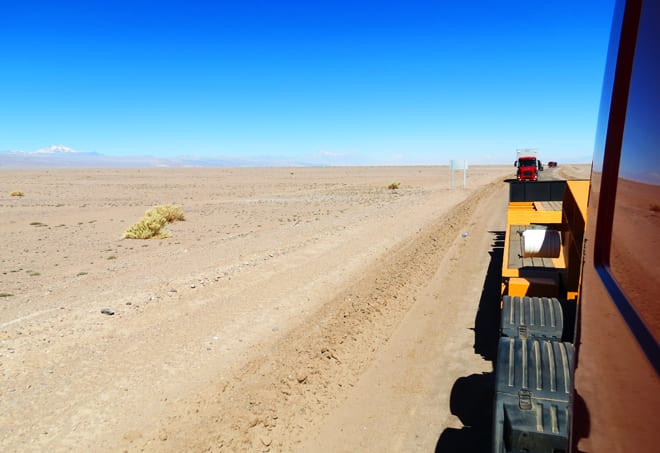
515 164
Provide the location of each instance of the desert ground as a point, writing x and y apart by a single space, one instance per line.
294 309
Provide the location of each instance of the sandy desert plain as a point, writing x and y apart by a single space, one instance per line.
295 309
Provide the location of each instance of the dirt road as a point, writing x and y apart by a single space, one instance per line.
402 401
293 310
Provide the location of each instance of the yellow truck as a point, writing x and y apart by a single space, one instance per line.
540 291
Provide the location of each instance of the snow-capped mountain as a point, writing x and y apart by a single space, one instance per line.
52 156
61 156
54 149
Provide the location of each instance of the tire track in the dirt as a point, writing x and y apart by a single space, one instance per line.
275 398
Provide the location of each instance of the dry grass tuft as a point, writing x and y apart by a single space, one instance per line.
147 228
394 186
151 225
169 212
17 193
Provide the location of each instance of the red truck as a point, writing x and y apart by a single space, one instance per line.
528 165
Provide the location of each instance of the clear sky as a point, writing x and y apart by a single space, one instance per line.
327 82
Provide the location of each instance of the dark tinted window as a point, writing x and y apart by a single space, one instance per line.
635 252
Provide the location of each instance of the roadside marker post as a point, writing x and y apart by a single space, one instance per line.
455 165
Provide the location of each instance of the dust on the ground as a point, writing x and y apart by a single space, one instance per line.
242 331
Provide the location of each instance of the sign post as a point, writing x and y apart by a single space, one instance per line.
458 165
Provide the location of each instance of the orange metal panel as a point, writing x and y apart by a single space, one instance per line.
533 287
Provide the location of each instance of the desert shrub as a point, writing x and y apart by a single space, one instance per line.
146 228
655 207
16 193
394 186
169 212
151 225
4 294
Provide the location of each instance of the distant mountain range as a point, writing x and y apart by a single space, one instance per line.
52 149
60 156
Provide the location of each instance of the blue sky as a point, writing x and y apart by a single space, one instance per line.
331 82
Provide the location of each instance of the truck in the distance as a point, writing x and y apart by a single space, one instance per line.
527 164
